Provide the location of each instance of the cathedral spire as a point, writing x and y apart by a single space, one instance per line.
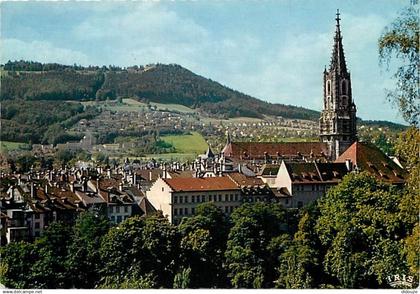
338 119
338 61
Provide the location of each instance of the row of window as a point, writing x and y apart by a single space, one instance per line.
313 188
118 209
184 211
191 211
119 218
204 198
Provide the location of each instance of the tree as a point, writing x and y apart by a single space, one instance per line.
360 227
49 270
203 245
83 260
408 150
139 248
16 261
300 258
249 260
401 41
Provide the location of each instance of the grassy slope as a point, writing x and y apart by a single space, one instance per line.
187 144
11 145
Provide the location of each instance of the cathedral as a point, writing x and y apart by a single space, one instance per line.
337 125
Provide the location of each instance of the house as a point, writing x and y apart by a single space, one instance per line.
307 181
179 197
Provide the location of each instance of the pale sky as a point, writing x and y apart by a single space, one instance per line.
273 50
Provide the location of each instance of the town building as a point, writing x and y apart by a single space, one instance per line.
179 197
307 181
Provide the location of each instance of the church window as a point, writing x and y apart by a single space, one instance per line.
344 87
328 87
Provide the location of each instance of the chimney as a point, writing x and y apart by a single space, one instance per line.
349 165
33 190
97 185
12 193
165 172
84 185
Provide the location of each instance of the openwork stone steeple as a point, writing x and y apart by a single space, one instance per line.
338 119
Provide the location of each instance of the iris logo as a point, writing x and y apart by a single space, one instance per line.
399 281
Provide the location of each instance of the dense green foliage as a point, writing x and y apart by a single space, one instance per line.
400 42
155 83
41 121
354 237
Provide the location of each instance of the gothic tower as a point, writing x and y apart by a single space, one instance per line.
337 123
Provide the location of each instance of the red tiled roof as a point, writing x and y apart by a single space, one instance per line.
201 184
104 184
242 180
246 150
313 172
369 158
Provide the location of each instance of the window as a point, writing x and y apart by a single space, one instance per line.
313 187
203 198
181 211
300 204
181 199
344 87
226 209
186 199
328 87
111 209
36 225
117 209
236 197
231 197
175 199
287 201
126 209
119 218
193 210
192 198
163 189
220 198
175 211
186 210
113 219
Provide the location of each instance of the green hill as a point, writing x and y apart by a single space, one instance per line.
168 84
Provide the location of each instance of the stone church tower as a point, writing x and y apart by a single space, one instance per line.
337 123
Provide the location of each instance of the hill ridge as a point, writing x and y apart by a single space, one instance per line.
162 83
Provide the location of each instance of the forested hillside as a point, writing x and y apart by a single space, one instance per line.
41 121
154 83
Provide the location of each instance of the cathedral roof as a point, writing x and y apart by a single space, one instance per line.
370 158
258 150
